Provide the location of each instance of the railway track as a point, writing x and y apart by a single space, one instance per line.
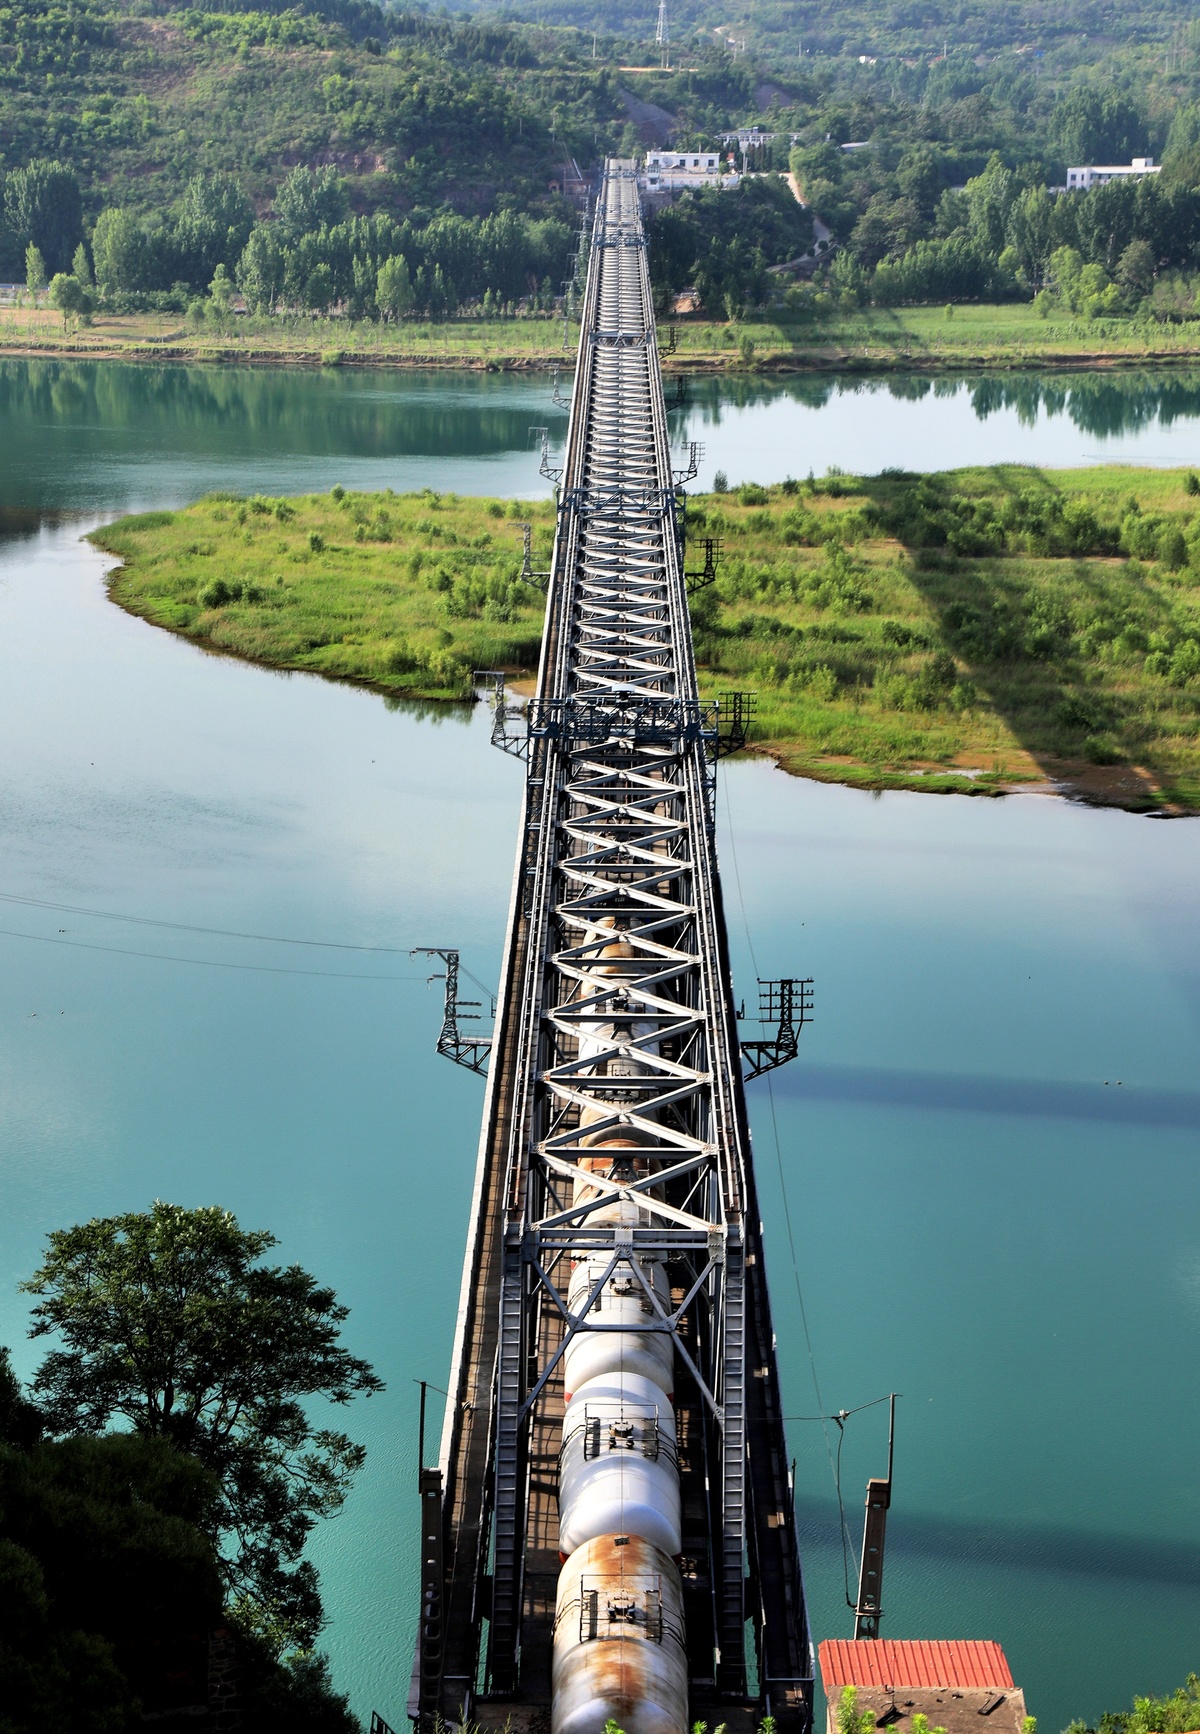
614 1274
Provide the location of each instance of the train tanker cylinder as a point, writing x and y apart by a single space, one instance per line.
619 1652
635 1346
618 1467
615 1018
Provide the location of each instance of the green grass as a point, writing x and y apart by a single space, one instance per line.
407 593
873 339
967 632
995 629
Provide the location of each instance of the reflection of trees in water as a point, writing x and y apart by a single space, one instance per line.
430 710
1103 405
284 411
18 521
115 410
707 398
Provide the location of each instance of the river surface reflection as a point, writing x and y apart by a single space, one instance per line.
103 436
986 1161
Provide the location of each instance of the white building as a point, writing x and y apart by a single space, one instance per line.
1079 180
671 171
693 162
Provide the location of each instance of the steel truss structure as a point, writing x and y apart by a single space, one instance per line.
616 862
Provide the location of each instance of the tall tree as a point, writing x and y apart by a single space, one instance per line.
308 200
119 250
170 1324
214 225
260 270
111 1588
43 209
1096 126
35 270
393 288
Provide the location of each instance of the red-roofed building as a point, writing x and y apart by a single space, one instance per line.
963 1686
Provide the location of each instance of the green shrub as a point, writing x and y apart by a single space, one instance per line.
1185 662
1173 1714
216 594
750 494
1075 713
1172 548
219 591
1099 750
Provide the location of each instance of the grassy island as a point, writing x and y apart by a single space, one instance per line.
971 631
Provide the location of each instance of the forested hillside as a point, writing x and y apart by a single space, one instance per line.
903 41
342 156
163 134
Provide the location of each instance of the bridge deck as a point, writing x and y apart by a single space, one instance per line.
617 836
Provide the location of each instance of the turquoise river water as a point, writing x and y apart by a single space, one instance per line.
985 1161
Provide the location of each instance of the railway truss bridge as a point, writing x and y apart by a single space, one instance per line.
609 1532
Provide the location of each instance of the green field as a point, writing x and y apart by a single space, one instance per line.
972 631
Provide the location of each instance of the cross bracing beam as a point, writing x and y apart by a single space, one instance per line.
615 1126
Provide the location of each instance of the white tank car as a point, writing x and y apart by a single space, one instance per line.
618 1469
618 1636
635 1347
618 1641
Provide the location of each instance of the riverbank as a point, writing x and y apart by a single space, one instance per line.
972 632
1011 336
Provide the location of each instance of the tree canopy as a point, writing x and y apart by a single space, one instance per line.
112 1594
170 1325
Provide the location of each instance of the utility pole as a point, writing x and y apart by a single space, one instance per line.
869 1611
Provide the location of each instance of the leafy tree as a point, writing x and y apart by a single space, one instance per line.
260 270
309 200
170 1325
220 292
119 251
35 270
111 1586
393 288
319 289
990 198
1084 287
69 296
950 270
921 177
81 266
1181 158
364 275
1170 1714
20 1420
43 208
1032 231
1096 126
214 225
1135 269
